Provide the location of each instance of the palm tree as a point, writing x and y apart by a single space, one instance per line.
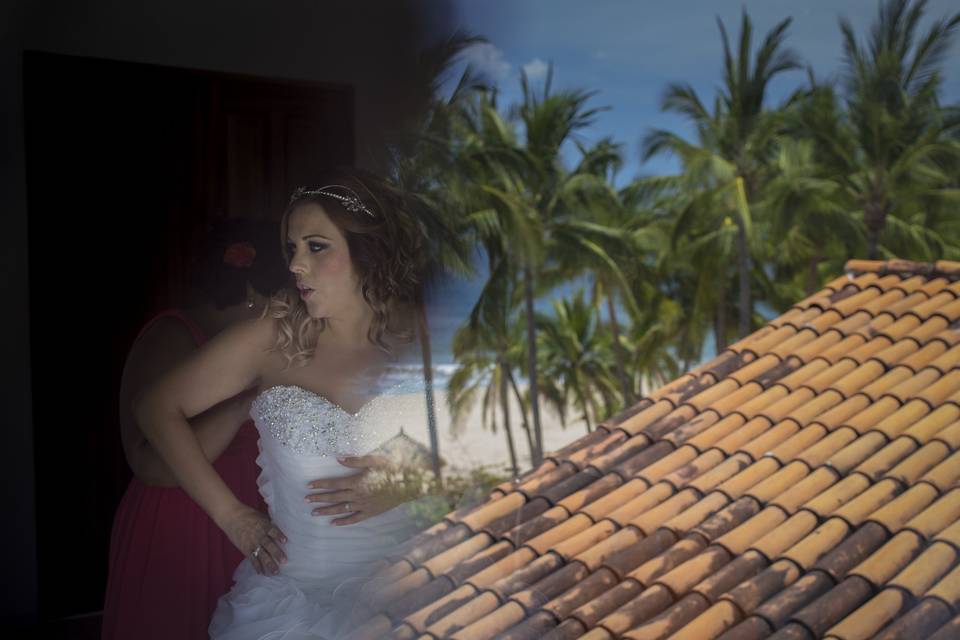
582 246
577 358
521 190
549 119
484 166
711 242
892 144
652 343
485 353
480 370
666 328
810 214
662 332
727 164
602 243
418 166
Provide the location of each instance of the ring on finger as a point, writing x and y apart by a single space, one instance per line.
346 506
256 552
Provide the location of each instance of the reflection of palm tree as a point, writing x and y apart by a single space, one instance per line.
892 146
599 241
483 172
710 241
419 159
521 190
663 328
483 348
727 163
810 216
577 360
544 190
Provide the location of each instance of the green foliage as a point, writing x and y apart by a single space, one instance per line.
771 201
577 358
885 137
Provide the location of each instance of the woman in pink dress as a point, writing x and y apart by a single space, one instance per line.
169 563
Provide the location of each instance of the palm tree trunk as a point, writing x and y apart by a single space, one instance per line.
532 362
619 358
720 321
506 418
425 350
743 263
873 244
523 414
874 217
813 276
586 411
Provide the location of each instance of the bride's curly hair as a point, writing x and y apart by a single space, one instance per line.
386 250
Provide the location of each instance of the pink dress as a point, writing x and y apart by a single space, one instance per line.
169 562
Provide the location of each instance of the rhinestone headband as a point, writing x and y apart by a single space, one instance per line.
351 202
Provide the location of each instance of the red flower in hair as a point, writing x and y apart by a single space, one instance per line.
239 254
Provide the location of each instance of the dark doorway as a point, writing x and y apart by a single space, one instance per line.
126 164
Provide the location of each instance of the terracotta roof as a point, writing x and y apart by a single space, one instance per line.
802 484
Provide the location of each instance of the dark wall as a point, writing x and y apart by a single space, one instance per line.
369 47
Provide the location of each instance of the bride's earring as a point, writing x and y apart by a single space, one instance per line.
250 302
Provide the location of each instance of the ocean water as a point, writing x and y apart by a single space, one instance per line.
408 377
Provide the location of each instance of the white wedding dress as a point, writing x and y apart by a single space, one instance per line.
318 588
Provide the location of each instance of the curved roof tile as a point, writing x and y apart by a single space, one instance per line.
803 483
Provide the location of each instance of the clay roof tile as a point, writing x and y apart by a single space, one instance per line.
919 622
802 483
946 474
890 558
948 631
871 616
926 569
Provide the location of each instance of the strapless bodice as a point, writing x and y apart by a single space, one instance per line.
328 567
308 424
301 436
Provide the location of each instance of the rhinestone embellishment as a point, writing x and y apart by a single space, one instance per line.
309 424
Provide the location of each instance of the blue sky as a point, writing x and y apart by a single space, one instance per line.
628 51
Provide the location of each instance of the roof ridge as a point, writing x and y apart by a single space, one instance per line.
949 269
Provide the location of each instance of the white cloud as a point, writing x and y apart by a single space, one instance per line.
487 59
536 68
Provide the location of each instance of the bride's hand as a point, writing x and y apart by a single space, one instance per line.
257 538
352 496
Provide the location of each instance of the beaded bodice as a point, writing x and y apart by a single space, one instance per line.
309 424
301 436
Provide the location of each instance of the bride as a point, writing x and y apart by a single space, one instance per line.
317 358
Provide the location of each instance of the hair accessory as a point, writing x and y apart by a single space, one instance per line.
240 255
351 202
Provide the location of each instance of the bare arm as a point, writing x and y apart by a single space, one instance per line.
230 363
159 350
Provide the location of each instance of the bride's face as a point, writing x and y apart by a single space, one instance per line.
320 262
